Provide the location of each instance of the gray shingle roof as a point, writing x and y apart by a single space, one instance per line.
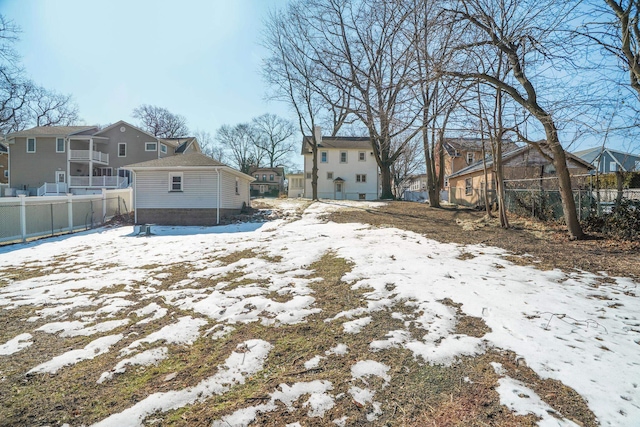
51 131
179 161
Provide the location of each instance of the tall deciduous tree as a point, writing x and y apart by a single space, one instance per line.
274 137
519 29
160 122
239 142
22 102
209 146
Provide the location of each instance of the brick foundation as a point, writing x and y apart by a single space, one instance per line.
182 216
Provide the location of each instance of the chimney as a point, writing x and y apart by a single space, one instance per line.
317 132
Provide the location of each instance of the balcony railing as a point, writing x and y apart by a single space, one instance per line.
52 188
85 155
98 182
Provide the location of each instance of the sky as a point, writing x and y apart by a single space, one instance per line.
200 59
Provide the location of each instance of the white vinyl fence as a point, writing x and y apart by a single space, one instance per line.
26 217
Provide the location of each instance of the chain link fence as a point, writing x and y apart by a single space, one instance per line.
27 217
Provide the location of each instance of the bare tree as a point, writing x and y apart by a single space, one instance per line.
274 137
294 76
360 45
208 145
238 142
15 88
48 108
160 122
520 30
408 164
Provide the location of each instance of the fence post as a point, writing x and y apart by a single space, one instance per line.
104 204
23 217
70 211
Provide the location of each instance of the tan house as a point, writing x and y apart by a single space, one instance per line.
4 165
459 153
523 167
269 182
188 189
49 160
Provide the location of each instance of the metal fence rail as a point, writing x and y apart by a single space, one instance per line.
26 217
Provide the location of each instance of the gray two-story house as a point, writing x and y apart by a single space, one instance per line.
83 159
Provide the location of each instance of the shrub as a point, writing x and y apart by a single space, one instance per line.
623 222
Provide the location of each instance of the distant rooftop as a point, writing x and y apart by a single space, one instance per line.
183 160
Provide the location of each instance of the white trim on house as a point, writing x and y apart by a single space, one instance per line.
172 182
58 146
34 144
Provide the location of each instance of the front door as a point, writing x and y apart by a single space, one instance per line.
339 190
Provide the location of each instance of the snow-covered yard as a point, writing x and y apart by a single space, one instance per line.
123 316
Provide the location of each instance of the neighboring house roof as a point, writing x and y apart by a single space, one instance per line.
479 165
184 161
122 122
181 143
51 131
346 142
453 145
593 155
278 170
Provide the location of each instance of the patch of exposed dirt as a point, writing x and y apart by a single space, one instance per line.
545 246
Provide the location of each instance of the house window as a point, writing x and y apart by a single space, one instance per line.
6 173
59 145
264 189
163 149
468 186
343 157
469 158
361 178
637 166
308 175
150 146
362 196
329 175
264 177
446 182
237 186
122 149
31 145
105 171
362 156
613 166
175 181
271 177
257 177
323 157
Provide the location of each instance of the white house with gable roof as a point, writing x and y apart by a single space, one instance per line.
347 168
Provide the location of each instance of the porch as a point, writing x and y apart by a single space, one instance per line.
89 155
84 182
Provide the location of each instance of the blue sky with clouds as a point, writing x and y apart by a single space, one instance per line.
200 59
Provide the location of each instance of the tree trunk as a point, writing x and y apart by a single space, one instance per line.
385 178
434 199
499 171
564 182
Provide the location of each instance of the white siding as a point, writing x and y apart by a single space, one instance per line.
231 200
346 171
199 190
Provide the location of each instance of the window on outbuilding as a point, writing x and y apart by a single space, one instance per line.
31 145
175 181
468 186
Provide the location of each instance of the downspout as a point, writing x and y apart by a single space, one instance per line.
218 195
135 198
